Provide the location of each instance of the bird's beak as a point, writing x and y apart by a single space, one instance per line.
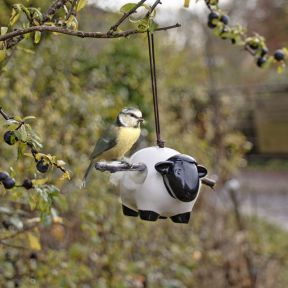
140 120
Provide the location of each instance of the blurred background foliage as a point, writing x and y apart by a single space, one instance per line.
75 87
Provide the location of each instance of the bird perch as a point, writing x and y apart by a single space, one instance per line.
113 167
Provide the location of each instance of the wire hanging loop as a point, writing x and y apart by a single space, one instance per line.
151 49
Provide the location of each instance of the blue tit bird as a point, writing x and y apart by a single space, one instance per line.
117 140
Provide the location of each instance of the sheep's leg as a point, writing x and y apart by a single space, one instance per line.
181 218
148 215
129 212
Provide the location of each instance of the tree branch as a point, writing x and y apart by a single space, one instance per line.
25 229
208 182
153 7
34 152
113 167
56 5
71 11
125 16
5 116
80 34
12 245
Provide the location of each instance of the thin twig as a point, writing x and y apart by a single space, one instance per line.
208 182
56 5
5 116
26 229
13 246
34 152
14 41
153 7
51 11
241 227
72 9
125 16
80 34
113 167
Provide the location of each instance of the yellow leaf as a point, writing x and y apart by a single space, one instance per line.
37 182
28 155
58 219
4 30
15 15
2 55
65 176
186 3
280 69
34 242
60 163
37 37
81 4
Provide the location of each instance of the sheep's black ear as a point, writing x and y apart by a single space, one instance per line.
163 167
202 171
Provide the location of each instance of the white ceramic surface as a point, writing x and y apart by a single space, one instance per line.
146 190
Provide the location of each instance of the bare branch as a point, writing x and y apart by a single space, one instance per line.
113 167
53 9
5 116
72 9
153 7
125 16
14 41
80 34
208 182
13 235
12 245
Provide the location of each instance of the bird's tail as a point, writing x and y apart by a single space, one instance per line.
87 173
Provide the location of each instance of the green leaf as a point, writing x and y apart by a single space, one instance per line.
72 23
280 69
28 35
4 30
37 37
34 241
32 137
143 25
65 9
60 163
28 118
152 26
127 7
33 199
65 176
37 182
21 133
3 55
15 14
21 149
81 4
16 222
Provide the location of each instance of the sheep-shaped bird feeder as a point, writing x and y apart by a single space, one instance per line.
158 183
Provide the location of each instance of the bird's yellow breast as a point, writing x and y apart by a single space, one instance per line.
127 137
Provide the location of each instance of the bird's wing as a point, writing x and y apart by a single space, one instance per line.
106 141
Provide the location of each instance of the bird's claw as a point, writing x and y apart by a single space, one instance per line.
130 165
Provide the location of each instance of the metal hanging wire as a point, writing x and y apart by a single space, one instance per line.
151 49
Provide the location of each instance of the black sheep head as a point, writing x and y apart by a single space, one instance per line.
181 176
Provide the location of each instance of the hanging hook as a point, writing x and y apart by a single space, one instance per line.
151 49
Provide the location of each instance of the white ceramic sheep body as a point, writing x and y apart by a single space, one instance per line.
143 193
